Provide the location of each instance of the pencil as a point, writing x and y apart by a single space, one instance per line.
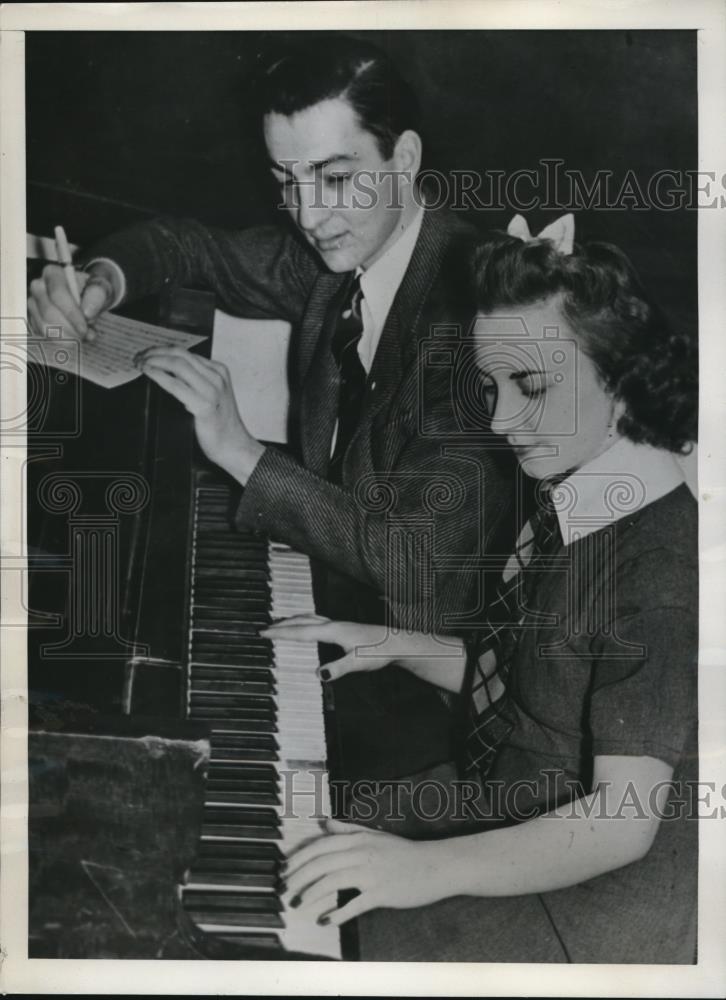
64 256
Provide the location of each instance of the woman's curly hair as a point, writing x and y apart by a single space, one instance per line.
651 368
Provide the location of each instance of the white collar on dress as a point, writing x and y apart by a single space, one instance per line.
616 484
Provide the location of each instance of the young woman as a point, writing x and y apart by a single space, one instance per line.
579 691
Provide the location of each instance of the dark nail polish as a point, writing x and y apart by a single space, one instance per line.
325 674
323 921
295 902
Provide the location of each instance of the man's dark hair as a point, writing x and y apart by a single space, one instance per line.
640 359
336 66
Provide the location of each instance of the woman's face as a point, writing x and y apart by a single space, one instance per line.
543 391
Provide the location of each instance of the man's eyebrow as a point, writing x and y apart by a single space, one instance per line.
284 166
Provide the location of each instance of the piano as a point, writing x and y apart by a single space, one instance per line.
175 756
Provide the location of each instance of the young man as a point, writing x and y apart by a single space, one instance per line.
389 516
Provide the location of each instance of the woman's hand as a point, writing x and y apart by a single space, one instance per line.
205 389
436 659
365 646
385 869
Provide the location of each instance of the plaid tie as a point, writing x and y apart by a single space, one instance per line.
344 345
490 716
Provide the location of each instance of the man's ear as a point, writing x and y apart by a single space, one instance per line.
407 153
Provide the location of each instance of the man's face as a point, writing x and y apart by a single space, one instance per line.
336 185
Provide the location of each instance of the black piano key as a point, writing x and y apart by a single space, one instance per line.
242 772
240 851
255 589
230 603
241 879
202 620
263 867
236 715
257 582
227 644
226 618
241 717
233 781
213 532
241 831
250 939
208 547
236 918
236 797
257 902
205 628
256 815
218 686
245 725
224 738
213 572
247 661
233 673
242 701
245 753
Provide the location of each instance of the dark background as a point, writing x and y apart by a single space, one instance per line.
124 125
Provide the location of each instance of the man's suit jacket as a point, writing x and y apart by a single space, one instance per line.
416 490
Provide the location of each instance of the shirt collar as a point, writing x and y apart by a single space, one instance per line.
382 279
616 484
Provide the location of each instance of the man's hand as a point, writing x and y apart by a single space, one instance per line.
50 303
205 389
386 870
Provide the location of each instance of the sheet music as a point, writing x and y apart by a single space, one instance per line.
255 351
109 359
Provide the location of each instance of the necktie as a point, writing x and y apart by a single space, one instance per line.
344 345
490 717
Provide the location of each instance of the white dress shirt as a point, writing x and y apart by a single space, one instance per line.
379 284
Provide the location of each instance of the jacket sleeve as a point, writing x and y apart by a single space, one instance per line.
261 272
433 508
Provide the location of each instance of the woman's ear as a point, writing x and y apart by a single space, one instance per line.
618 411
407 154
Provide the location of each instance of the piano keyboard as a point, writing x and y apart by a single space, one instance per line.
267 784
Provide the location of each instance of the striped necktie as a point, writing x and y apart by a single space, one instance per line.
489 711
344 345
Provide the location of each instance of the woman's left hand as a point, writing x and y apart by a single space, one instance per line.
386 870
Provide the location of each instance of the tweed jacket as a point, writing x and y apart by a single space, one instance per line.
420 499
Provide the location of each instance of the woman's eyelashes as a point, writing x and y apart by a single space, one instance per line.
533 385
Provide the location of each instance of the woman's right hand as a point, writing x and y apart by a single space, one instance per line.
51 304
371 647
365 646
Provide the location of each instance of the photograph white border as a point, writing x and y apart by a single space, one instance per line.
706 979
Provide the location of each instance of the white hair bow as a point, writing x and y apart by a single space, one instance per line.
561 232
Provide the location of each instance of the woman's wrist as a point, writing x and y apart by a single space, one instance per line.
440 660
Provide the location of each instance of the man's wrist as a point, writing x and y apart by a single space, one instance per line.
243 461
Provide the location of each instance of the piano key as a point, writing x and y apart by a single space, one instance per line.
215 920
216 686
198 878
264 942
